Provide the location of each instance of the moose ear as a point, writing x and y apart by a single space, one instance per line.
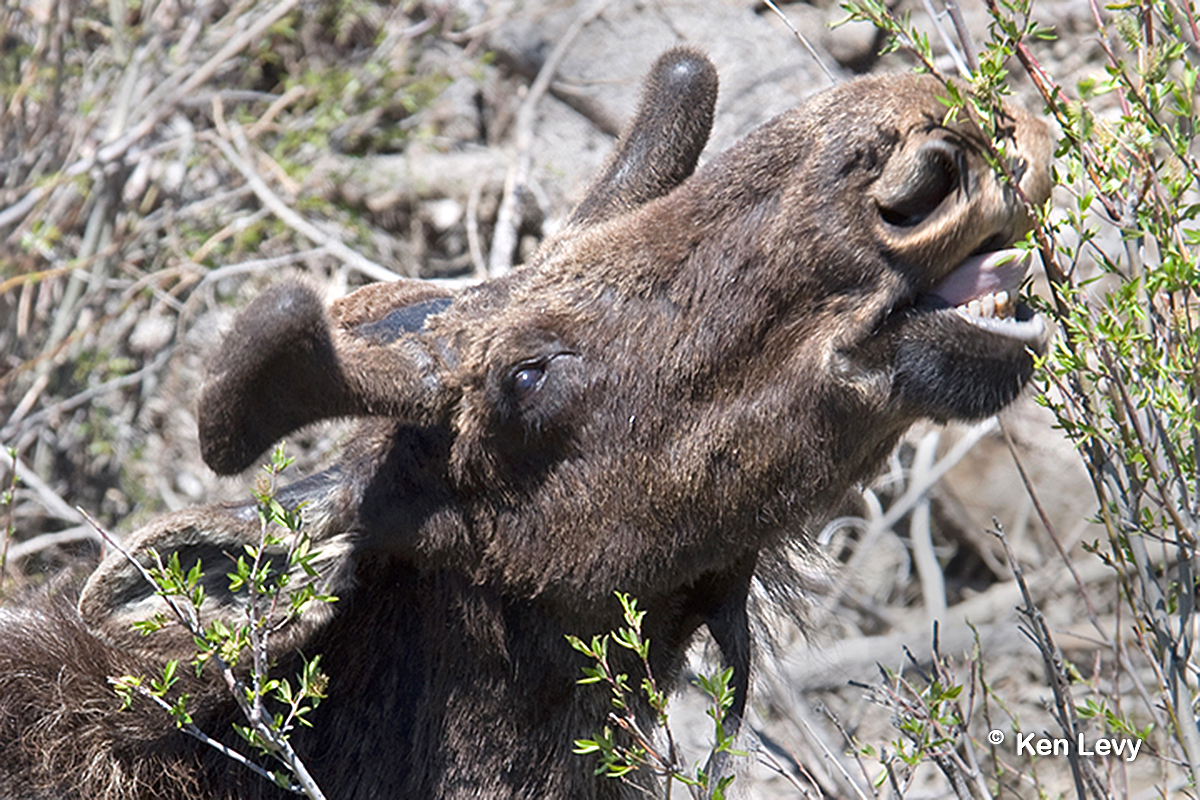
117 594
660 147
288 363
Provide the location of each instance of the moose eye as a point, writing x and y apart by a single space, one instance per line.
526 379
934 176
536 393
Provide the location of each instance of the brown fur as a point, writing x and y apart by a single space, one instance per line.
692 372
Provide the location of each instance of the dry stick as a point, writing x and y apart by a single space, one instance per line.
969 743
188 309
54 504
50 353
1052 661
916 490
966 772
959 63
504 239
10 500
205 99
977 666
1102 476
206 71
964 36
11 430
256 264
123 95
336 247
286 99
27 402
479 264
588 107
768 760
1093 617
163 218
933 582
22 550
812 51
833 759
35 277
239 224
64 318
162 111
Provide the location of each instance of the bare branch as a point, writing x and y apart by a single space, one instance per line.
504 239
335 246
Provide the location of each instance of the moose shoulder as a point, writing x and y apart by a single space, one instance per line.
690 373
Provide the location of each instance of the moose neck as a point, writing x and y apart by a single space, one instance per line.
460 658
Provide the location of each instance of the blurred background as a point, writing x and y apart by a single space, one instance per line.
164 160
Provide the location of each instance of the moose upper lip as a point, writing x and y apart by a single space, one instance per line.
984 274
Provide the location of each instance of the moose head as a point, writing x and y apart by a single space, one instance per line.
690 373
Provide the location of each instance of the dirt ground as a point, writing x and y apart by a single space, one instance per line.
392 130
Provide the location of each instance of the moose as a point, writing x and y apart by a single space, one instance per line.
688 375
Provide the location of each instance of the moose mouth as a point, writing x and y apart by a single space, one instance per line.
983 291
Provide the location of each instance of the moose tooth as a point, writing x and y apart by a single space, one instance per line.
1004 306
974 308
987 305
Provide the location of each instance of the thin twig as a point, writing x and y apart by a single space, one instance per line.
10 501
812 51
12 430
935 19
22 550
336 247
474 244
964 35
1052 661
278 746
55 505
833 759
1093 616
260 264
192 730
161 111
933 582
504 237
196 78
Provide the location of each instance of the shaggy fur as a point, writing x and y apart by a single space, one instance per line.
691 373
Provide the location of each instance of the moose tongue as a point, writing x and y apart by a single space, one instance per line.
984 274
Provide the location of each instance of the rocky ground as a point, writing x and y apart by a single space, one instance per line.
165 160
